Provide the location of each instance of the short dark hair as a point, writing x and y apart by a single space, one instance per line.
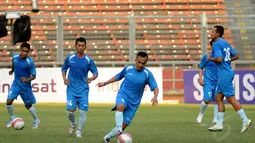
24 44
211 42
81 39
219 29
142 54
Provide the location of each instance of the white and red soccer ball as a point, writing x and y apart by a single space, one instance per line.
18 123
124 138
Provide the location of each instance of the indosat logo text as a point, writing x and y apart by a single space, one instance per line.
36 87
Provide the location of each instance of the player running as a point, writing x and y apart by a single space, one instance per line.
79 64
209 70
222 53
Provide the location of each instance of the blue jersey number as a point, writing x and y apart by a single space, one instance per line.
227 54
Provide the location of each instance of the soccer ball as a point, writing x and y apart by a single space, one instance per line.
18 123
124 138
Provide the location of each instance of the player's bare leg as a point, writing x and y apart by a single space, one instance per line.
220 102
9 107
237 106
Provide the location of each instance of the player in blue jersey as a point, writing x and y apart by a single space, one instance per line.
24 72
131 92
79 64
222 53
209 70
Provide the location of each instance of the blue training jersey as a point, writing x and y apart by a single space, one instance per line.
134 83
78 73
221 48
210 70
22 68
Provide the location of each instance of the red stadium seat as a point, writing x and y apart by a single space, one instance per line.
158 33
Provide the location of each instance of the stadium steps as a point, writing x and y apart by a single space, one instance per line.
242 28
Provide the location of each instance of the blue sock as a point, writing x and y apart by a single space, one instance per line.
215 112
119 120
71 117
10 111
220 118
112 134
82 120
202 107
242 114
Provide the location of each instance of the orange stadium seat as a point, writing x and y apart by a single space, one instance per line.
109 36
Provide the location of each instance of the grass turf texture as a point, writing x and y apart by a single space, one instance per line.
161 124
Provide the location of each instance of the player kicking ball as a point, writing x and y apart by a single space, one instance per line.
130 93
24 72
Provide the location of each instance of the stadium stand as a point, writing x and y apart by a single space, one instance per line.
108 39
242 36
170 39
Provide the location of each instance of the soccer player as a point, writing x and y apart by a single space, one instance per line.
24 72
222 53
209 85
130 93
79 64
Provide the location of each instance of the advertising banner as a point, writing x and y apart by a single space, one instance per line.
49 86
244 86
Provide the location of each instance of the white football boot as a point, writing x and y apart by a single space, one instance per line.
217 127
200 117
246 125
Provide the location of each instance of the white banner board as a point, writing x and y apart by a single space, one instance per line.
48 87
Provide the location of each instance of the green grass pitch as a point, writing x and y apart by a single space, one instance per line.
161 124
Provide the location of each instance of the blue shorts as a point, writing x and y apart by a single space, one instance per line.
209 92
27 96
225 86
73 101
129 111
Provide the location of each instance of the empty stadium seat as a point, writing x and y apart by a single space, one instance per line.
108 38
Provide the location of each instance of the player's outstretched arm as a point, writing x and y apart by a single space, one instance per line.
101 84
154 100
